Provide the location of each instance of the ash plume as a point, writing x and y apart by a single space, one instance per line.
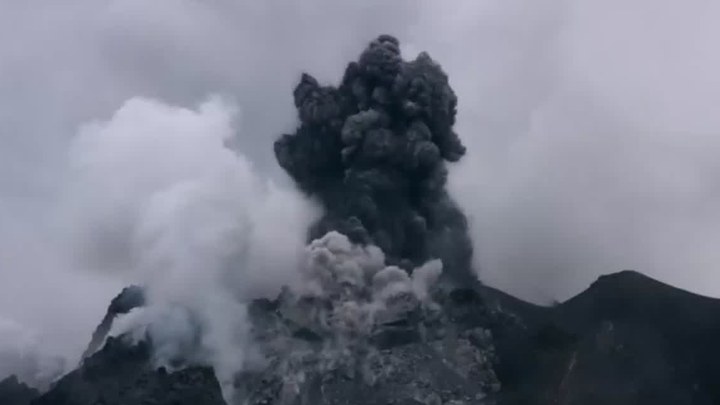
346 290
374 149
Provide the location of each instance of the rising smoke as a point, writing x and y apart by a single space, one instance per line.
191 231
590 127
373 150
345 296
159 198
129 298
22 354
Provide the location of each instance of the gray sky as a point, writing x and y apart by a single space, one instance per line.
591 127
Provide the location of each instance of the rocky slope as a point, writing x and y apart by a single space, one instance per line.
627 339
120 374
15 392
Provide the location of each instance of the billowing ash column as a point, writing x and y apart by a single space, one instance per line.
374 149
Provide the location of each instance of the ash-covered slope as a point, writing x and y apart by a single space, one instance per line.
628 339
129 298
377 337
15 392
122 374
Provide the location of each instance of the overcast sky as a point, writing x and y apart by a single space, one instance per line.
592 126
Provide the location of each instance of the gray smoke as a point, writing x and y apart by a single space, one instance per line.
129 298
373 151
22 354
157 197
590 127
351 289
333 320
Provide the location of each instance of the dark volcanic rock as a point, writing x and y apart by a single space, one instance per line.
417 357
129 298
121 374
628 339
14 392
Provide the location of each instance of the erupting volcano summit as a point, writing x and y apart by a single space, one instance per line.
373 151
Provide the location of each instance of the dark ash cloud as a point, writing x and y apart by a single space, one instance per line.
373 151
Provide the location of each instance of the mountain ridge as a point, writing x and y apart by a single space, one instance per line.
626 339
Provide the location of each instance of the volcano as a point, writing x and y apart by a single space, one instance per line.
628 339
387 309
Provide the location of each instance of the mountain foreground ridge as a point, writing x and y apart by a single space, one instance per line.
627 339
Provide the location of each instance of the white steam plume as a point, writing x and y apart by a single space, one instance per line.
157 195
22 354
155 191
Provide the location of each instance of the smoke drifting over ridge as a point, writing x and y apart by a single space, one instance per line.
157 198
373 150
198 228
130 298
